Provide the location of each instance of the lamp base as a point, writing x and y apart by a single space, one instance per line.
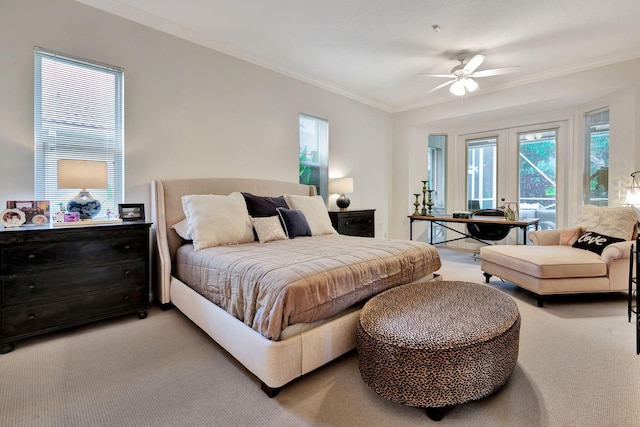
343 202
85 204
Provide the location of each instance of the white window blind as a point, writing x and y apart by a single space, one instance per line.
78 115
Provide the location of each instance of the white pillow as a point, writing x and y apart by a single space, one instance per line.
268 228
216 220
616 221
182 228
314 210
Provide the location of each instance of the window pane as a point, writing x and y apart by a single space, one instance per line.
314 153
537 174
481 174
596 177
77 116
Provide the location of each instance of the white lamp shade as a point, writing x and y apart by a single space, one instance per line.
633 196
341 185
457 88
82 174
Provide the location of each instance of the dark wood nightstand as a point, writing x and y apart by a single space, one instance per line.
354 223
53 278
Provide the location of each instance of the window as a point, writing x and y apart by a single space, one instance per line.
314 153
596 166
482 172
437 162
78 115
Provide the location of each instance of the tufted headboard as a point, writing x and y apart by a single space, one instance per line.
166 207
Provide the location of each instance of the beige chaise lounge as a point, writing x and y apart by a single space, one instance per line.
553 266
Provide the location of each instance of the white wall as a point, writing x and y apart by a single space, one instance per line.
564 98
189 111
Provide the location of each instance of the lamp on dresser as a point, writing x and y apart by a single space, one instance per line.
342 186
83 174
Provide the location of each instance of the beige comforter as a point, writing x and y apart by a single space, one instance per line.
273 285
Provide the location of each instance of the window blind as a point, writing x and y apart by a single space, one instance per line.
78 115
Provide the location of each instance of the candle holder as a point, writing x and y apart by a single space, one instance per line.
416 204
424 198
430 203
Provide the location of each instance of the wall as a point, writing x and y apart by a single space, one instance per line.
189 111
564 98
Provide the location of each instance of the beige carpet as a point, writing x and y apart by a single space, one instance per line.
577 367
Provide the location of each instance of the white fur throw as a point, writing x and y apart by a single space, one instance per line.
619 221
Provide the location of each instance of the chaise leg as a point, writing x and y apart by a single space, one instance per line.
269 391
540 301
487 276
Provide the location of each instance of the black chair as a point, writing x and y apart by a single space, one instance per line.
490 232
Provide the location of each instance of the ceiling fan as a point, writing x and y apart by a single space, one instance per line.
462 75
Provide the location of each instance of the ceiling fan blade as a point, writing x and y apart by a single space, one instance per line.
437 75
495 72
440 86
473 64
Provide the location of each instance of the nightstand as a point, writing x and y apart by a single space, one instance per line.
54 278
354 223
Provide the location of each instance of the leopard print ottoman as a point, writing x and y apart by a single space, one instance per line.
438 344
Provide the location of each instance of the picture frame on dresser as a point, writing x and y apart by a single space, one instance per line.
131 211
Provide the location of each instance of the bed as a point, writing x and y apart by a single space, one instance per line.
276 348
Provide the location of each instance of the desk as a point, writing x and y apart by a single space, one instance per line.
523 224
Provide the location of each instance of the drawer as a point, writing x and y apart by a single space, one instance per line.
20 320
47 255
356 225
23 287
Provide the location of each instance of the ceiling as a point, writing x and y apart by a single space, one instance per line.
373 50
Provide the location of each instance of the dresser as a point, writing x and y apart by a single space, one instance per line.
354 223
53 278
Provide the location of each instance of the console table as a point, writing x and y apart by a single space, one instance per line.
523 224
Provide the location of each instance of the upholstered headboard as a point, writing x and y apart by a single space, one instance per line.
166 208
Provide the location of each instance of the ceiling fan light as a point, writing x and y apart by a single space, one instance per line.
457 88
470 84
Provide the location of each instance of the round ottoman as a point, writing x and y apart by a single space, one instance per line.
438 344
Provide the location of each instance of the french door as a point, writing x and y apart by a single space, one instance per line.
518 165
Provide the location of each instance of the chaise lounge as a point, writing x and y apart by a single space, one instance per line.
591 257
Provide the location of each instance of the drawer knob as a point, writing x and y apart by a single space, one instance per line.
32 316
127 272
32 286
127 247
31 257
125 298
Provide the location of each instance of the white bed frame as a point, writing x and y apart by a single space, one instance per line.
275 363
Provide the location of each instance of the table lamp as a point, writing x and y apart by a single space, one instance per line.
633 195
83 174
342 186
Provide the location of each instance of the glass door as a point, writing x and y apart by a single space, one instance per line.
482 173
537 166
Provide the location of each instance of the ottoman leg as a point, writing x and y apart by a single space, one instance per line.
435 414
487 276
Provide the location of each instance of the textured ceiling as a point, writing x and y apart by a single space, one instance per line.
373 50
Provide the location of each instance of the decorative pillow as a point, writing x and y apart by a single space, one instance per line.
182 228
261 206
595 242
314 210
569 236
268 228
618 221
295 223
216 220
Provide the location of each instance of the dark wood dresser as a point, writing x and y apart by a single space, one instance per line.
53 278
354 223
